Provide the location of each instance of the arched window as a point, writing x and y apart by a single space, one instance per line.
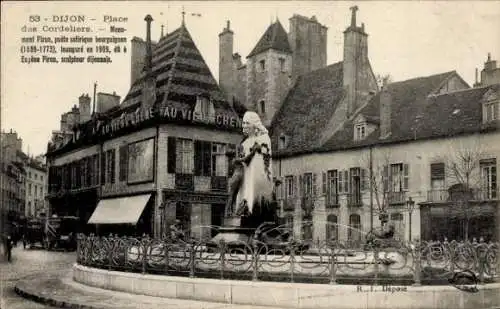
354 227
262 106
332 229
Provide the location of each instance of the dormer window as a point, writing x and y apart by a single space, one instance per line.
491 110
491 107
282 141
359 131
262 65
204 109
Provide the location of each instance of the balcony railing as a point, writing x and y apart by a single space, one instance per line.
219 183
332 201
354 200
443 195
307 204
396 197
184 182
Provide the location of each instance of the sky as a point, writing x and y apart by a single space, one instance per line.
406 40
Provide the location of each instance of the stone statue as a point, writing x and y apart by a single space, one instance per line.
251 186
251 202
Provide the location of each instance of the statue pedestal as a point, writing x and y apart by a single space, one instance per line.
232 232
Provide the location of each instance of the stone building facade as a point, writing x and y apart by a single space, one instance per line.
156 157
36 188
345 171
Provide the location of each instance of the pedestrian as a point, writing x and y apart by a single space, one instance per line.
7 242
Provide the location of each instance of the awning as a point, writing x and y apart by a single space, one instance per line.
119 210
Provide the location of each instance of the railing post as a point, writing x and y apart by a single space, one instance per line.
376 261
191 260
292 260
145 243
333 265
255 255
417 261
222 251
166 255
481 254
110 248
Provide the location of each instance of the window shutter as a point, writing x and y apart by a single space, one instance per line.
406 176
295 185
171 154
207 158
198 158
437 171
323 188
314 185
103 168
385 178
301 185
363 179
123 163
113 165
340 182
346 181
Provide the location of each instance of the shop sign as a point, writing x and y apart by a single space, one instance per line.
168 113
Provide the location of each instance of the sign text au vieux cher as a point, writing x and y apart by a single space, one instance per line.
168 113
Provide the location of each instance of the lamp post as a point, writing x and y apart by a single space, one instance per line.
410 205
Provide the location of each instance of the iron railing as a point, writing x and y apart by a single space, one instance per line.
380 262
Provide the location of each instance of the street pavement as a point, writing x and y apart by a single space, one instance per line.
26 263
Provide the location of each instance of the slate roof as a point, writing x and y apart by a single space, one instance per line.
416 112
308 108
275 37
181 75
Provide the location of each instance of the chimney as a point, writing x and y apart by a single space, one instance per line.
137 59
149 83
490 65
84 107
106 101
355 62
226 70
385 112
149 48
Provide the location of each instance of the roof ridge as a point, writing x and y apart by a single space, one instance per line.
461 90
423 77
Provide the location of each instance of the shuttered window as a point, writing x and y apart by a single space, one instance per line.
123 163
202 158
171 155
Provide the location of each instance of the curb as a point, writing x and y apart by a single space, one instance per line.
45 300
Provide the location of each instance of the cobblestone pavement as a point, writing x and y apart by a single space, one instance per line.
26 263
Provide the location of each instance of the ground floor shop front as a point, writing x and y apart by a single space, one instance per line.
199 214
453 222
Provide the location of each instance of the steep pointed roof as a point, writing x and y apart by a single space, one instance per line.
181 75
275 37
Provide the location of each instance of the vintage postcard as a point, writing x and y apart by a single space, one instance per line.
250 154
